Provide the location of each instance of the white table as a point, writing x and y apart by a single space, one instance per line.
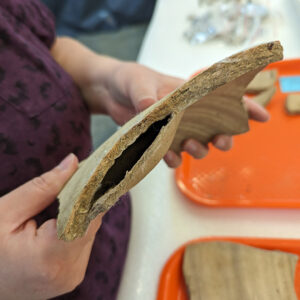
163 219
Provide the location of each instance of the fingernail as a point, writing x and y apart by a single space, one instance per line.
220 144
169 156
145 103
172 159
66 162
190 147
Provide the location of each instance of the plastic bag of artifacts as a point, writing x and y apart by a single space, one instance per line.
235 22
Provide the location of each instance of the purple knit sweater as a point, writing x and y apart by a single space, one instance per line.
43 118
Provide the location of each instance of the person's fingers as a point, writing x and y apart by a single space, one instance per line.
29 228
144 103
170 84
48 231
195 149
31 198
172 159
223 142
149 87
94 226
143 92
85 244
256 112
120 113
81 247
149 95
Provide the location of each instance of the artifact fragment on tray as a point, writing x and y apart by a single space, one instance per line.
218 270
262 81
263 86
292 104
265 96
134 150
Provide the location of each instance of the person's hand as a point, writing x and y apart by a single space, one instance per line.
128 89
122 89
222 142
132 87
34 264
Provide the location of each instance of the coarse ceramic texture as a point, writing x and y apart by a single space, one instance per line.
130 154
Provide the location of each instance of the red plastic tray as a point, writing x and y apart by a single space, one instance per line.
262 169
172 286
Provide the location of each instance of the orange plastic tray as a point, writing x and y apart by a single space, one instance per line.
172 286
262 169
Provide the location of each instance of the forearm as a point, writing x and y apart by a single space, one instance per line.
81 63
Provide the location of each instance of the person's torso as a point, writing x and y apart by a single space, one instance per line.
42 119
42 114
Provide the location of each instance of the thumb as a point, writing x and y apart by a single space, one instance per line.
144 103
31 198
143 96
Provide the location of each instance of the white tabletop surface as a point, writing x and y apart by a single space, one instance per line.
163 219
